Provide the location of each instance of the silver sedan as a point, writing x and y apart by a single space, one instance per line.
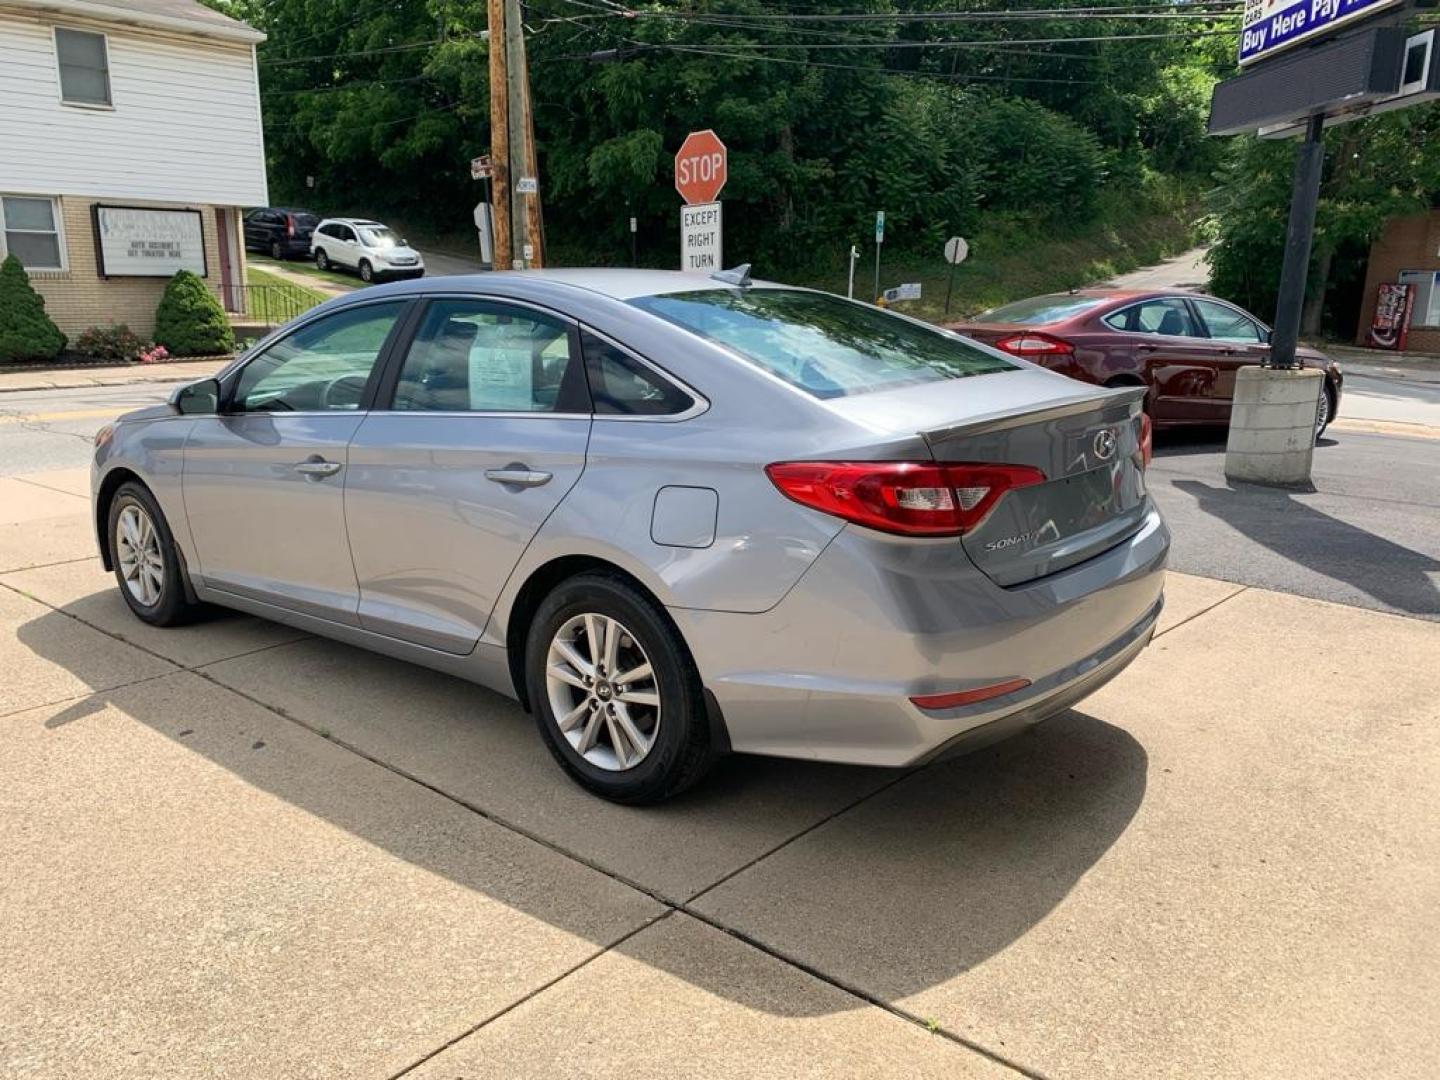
673 516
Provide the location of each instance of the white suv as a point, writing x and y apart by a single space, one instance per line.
372 250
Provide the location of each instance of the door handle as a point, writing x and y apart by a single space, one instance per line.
318 468
518 475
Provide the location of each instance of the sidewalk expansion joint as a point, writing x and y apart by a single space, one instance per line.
1205 610
670 905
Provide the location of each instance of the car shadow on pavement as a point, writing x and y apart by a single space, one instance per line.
894 894
1273 517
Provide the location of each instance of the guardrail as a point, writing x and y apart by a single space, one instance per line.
270 305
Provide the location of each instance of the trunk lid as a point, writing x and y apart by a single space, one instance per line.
1085 439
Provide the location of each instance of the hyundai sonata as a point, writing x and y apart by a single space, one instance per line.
672 515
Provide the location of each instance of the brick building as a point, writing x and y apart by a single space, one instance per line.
131 142
1408 252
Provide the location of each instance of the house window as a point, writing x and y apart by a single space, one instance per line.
30 230
84 67
1426 309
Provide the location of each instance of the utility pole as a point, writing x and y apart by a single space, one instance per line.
519 229
499 137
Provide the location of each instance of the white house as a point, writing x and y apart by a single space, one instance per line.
130 140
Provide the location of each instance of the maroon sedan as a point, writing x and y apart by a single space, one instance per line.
1185 348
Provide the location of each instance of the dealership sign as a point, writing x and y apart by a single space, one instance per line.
1272 25
136 241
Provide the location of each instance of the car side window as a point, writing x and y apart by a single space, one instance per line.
323 366
1227 324
1167 316
484 356
621 385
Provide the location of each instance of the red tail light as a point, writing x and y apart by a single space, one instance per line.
1147 439
289 225
1034 345
910 498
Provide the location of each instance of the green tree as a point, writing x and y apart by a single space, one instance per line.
26 332
1375 169
190 321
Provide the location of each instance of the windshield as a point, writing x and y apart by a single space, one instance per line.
378 236
826 346
1040 309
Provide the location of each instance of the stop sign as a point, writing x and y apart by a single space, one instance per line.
700 167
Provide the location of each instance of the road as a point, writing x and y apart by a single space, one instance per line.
1187 270
1364 537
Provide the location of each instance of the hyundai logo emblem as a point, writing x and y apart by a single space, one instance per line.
1104 444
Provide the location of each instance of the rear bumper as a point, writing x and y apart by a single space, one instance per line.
828 672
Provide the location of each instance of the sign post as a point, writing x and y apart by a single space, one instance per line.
956 252
854 254
879 239
702 165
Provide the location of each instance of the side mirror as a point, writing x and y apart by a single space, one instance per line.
197 399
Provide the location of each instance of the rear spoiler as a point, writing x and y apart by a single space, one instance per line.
1104 396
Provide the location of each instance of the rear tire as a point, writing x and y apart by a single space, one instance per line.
664 747
147 567
322 261
277 252
367 272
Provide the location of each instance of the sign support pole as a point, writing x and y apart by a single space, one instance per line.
850 289
950 287
878 242
1309 162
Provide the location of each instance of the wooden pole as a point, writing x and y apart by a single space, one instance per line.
515 128
534 226
499 137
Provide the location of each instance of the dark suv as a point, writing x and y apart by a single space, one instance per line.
279 231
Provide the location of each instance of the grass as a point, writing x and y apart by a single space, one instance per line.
255 276
310 270
1010 260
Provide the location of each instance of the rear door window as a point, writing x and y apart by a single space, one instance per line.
1167 316
825 345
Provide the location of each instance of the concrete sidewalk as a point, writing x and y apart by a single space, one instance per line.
237 851
108 375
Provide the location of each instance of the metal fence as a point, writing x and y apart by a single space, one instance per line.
269 305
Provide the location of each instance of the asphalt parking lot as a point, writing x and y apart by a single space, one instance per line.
237 851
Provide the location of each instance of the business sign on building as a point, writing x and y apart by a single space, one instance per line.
137 241
1271 25
700 238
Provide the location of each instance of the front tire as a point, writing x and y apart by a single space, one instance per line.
1324 411
615 692
142 550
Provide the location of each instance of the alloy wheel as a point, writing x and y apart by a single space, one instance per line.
1322 412
603 692
137 548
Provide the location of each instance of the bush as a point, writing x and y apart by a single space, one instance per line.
109 343
190 321
26 332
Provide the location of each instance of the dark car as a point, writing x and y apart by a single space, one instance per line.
282 232
1183 347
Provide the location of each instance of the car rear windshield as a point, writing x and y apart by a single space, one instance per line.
1040 309
304 220
826 346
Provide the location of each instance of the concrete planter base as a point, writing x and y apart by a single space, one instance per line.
1272 426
